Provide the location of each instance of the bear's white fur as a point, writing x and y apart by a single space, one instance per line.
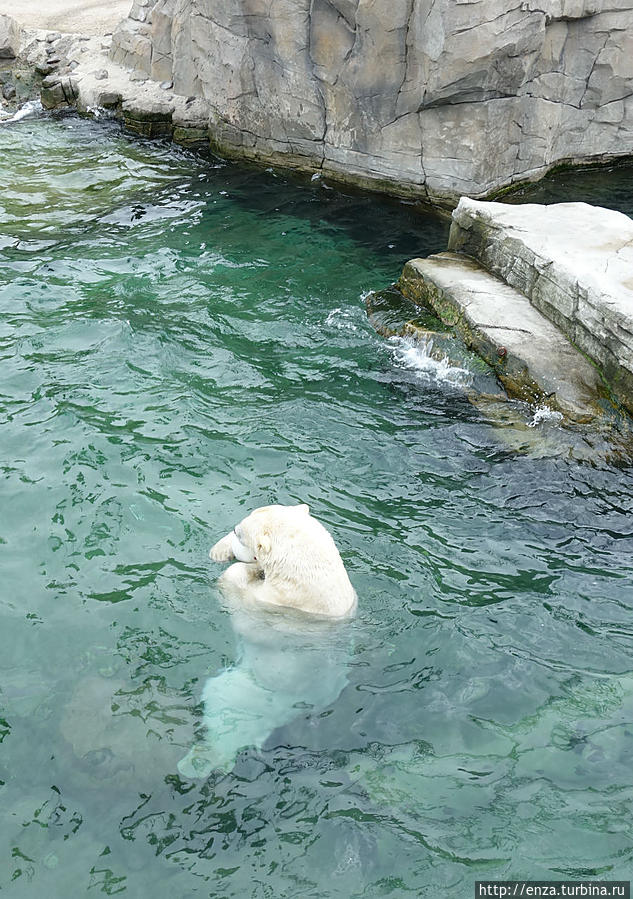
285 557
287 661
287 664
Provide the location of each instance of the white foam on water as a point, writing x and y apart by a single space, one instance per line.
543 415
341 320
432 367
30 109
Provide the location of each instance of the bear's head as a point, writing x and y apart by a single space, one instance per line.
288 559
256 536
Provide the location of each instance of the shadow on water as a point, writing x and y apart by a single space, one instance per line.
609 185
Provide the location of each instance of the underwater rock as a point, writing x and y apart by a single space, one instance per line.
119 734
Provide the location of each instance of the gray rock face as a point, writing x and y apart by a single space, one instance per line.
529 355
131 46
574 262
10 38
148 118
422 97
58 91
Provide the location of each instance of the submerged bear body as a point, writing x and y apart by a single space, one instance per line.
288 595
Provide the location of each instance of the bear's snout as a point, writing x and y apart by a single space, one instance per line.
242 553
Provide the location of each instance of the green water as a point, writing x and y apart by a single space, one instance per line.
181 341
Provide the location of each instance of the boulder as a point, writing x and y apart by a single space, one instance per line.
573 261
10 37
59 91
148 117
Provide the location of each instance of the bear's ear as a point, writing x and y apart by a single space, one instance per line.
304 507
263 544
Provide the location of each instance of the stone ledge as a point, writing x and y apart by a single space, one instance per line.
574 262
530 356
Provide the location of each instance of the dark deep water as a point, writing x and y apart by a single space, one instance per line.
179 343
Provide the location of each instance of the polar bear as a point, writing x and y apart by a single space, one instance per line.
285 557
288 595
287 664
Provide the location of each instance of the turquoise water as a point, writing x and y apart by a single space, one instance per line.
181 341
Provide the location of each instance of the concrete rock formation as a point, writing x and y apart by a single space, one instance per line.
529 355
431 98
528 287
574 262
10 37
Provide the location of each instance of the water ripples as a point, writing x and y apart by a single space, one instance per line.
182 341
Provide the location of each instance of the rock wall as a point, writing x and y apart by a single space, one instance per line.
10 38
573 262
544 294
434 98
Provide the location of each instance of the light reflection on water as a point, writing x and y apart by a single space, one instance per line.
181 343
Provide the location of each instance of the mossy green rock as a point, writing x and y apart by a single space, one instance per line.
532 359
